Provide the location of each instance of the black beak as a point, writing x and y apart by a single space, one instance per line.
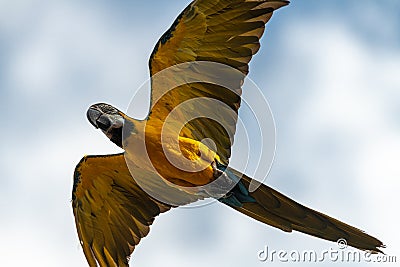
98 118
93 114
108 119
104 120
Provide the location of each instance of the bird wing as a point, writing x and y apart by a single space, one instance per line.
112 213
225 32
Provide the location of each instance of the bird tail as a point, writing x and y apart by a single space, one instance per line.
271 207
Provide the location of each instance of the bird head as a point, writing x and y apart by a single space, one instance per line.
109 119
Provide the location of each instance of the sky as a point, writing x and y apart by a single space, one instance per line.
329 70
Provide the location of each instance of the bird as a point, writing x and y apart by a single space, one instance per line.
168 158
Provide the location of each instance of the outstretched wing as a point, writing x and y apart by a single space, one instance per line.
226 32
112 213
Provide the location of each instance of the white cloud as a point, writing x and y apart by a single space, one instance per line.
349 102
335 99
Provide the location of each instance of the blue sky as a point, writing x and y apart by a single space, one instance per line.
330 71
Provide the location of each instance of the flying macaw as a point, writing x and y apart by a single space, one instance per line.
115 198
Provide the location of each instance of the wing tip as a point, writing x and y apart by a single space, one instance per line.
283 3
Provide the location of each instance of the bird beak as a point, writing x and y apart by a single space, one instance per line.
93 114
106 122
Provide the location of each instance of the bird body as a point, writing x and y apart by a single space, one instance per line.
197 71
187 152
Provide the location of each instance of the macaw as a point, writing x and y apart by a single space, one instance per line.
165 162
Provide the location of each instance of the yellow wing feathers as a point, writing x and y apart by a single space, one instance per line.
112 213
225 32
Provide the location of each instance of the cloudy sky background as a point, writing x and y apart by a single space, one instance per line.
330 71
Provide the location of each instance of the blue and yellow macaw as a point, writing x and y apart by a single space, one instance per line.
111 201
